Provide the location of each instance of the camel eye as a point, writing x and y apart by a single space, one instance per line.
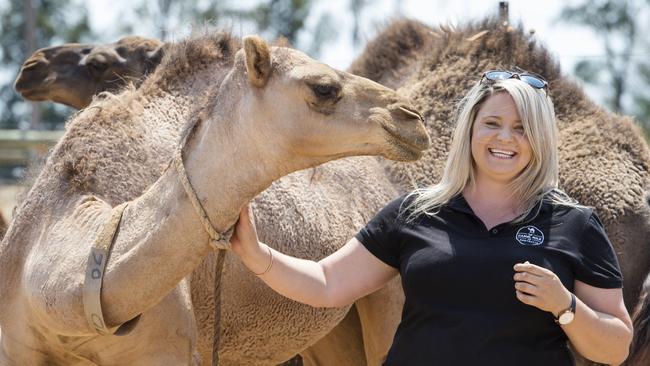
96 67
325 91
121 50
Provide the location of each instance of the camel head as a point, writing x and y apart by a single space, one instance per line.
305 112
72 73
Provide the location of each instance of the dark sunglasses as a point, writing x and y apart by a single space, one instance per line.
533 80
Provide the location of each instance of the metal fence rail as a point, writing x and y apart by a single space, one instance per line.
18 147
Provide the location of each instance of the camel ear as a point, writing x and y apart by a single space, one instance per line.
258 60
154 57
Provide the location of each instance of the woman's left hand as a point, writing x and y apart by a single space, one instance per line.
541 288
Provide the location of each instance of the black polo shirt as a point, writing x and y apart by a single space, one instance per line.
457 276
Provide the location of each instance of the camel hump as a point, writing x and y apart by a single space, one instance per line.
258 60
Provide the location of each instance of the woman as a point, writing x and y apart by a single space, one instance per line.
498 266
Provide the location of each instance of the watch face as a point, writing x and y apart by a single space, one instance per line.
566 318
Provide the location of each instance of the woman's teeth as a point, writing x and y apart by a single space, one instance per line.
502 154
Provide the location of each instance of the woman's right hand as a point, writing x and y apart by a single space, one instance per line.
244 239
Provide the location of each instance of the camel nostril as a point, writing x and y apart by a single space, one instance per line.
406 110
32 64
412 112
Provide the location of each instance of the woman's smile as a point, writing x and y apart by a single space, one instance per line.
502 153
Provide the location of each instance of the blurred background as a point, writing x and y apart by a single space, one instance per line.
601 44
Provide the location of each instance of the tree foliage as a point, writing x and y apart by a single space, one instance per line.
282 17
168 16
625 77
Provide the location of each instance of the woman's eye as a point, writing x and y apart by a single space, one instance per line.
491 124
325 91
519 129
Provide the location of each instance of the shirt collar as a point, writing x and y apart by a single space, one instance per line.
459 204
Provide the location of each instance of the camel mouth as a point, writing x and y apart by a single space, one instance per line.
412 137
27 88
27 84
32 94
23 87
32 84
407 147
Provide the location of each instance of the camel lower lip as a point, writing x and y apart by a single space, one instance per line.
409 144
407 149
29 93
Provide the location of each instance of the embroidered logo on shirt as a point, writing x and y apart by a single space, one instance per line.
530 235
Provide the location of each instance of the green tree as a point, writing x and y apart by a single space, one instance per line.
55 21
621 72
356 7
272 18
288 19
167 16
282 17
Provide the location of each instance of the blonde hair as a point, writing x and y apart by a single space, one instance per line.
538 180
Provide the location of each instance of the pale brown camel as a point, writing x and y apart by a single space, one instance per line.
604 164
264 332
268 112
313 194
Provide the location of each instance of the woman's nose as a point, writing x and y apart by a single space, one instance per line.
504 134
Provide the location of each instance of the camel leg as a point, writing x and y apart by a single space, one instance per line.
380 314
342 346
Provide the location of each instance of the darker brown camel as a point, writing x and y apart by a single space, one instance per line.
604 159
73 73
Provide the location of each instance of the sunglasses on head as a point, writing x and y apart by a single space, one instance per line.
533 80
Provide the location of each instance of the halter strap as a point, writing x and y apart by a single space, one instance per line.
217 241
97 260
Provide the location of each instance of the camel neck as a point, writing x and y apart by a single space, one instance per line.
226 166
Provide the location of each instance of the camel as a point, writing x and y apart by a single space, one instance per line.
604 164
244 341
604 160
639 350
163 184
73 73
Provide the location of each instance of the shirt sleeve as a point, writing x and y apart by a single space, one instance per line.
381 234
597 262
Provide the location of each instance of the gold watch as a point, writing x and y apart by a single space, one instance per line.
566 316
